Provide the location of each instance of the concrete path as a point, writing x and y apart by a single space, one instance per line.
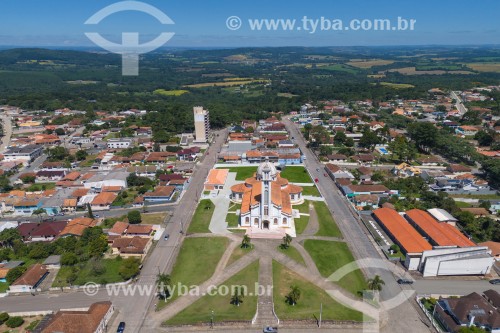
218 223
313 225
265 306
312 198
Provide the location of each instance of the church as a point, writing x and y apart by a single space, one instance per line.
266 200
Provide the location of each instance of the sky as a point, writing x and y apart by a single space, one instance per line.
204 23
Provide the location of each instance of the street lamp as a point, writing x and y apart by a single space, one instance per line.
212 320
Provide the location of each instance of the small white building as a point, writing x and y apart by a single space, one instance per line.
120 143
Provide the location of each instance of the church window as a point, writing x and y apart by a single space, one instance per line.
284 220
256 221
275 221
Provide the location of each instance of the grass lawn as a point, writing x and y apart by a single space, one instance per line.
200 311
196 262
242 173
86 274
125 199
476 196
327 226
201 218
311 190
233 207
109 222
232 220
303 207
293 253
461 204
330 256
296 174
3 287
311 296
153 218
41 187
238 253
301 224
89 161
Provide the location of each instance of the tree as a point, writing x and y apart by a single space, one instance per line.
28 179
402 150
245 243
134 217
129 268
349 142
484 138
287 239
8 236
376 284
39 212
294 295
395 248
89 211
340 138
81 155
4 316
15 273
423 134
237 296
69 259
369 140
58 153
14 322
325 150
60 131
485 204
164 281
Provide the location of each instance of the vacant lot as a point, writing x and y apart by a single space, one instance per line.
242 173
307 307
153 218
201 218
87 274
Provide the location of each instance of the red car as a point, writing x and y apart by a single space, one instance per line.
316 180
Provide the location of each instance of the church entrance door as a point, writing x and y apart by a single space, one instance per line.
266 224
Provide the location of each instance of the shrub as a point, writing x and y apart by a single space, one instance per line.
4 316
134 217
14 322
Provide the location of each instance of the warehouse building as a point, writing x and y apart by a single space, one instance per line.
431 247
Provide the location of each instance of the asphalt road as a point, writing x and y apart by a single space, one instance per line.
357 239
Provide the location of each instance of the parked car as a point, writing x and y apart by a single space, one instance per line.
405 281
166 237
121 327
316 180
495 281
270 329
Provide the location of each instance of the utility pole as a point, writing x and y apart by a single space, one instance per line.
320 314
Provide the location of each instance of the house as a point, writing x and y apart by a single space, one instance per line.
365 200
139 230
112 178
188 154
24 153
376 125
103 200
429 161
93 320
494 248
41 232
131 246
77 226
5 267
405 170
120 143
477 212
364 158
179 184
472 309
160 194
69 205
337 158
216 179
336 172
365 174
458 169
118 229
355 190
466 130
30 280
26 207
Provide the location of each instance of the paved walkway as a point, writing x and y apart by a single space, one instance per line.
265 306
218 223
313 198
313 225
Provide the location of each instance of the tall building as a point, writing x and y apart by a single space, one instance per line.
201 124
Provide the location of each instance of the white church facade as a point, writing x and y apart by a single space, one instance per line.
266 200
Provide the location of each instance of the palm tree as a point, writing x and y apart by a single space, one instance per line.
237 297
287 239
163 281
376 283
245 243
294 295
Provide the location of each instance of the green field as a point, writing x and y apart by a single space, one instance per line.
201 218
164 92
153 218
41 187
197 260
242 173
397 85
330 256
238 253
296 174
307 307
327 226
87 274
341 68
311 190
201 310
293 253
